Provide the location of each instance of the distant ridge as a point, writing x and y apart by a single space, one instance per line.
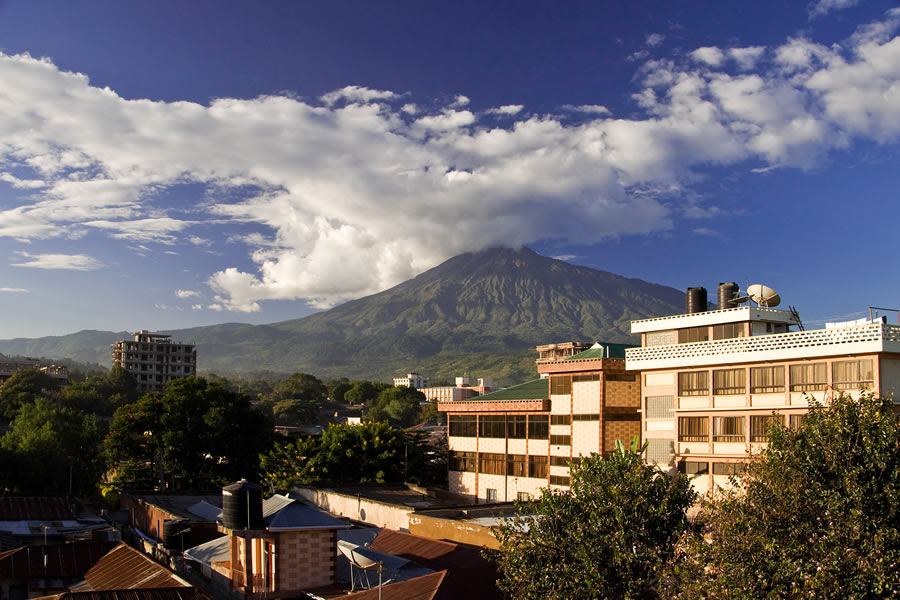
480 312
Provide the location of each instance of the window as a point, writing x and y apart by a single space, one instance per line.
560 461
561 440
759 426
728 331
560 384
538 427
736 469
660 452
462 425
693 429
692 467
853 374
463 461
808 377
660 407
490 495
516 427
729 381
693 334
661 338
695 383
728 429
578 378
560 419
516 465
559 480
797 420
523 496
492 426
537 467
492 464
594 417
621 377
766 380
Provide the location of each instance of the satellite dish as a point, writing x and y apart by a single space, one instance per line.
738 301
353 554
763 295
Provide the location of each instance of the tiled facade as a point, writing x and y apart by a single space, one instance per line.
510 444
707 402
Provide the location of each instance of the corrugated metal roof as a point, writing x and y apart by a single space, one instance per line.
537 389
124 568
63 560
603 351
178 593
22 508
420 588
212 551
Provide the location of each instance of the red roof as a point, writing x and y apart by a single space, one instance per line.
124 568
63 560
425 587
171 593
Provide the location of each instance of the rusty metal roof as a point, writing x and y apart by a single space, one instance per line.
30 508
124 568
420 588
62 560
169 593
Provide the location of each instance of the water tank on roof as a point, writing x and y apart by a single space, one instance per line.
242 506
172 533
695 300
726 293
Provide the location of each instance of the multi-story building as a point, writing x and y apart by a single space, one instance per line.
411 380
464 389
508 444
713 381
59 373
154 359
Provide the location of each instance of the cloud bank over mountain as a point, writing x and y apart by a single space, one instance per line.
347 194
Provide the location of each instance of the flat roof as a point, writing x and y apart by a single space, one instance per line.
714 317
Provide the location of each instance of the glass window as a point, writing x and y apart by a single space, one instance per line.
560 419
490 495
727 331
561 440
621 377
660 407
463 461
560 384
578 378
797 420
808 377
537 467
729 381
523 496
694 383
594 417
516 465
560 461
853 374
491 464
517 427
559 480
736 469
693 429
492 426
462 425
728 429
760 425
538 427
766 380
660 452
692 467
693 334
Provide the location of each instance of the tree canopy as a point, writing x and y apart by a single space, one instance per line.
816 515
400 406
25 387
609 536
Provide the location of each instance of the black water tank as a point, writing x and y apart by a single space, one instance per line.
172 529
727 292
242 502
695 300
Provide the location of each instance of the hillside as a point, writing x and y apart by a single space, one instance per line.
479 312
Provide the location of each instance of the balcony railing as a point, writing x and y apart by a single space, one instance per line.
817 341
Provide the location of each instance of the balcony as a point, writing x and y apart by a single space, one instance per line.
857 339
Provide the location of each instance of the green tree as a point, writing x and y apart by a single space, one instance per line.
337 389
47 447
103 394
816 515
607 537
364 392
296 400
25 387
349 454
400 406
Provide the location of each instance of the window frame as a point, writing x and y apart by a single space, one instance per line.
729 429
461 425
699 426
760 425
772 376
837 368
802 373
730 382
538 427
688 387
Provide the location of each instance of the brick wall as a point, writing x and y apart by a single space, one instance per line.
305 559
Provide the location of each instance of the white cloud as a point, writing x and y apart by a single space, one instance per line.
21 183
196 307
74 262
823 7
460 101
593 109
12 290
508 109
709 54
565 257
186 293
353 193
655 39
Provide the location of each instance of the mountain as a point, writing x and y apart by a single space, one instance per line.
480 313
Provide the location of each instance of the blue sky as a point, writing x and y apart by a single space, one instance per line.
171 164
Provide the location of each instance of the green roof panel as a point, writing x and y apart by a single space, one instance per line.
615 351
537 389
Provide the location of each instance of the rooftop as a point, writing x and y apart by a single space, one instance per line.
536 389
714 317
604 350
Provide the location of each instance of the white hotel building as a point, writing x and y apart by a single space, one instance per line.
712 381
